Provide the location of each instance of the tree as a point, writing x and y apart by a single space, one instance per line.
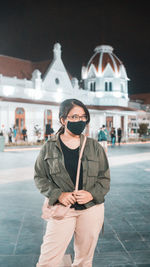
143 128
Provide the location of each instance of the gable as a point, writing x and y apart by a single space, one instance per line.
56 77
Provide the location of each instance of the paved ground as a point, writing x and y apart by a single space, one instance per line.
126 241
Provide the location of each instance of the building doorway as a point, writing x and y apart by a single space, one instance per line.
109 123
19 122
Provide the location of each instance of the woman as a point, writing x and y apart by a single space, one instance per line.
55 174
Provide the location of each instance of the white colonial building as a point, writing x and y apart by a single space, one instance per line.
30 93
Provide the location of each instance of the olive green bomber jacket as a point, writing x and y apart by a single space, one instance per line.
52 178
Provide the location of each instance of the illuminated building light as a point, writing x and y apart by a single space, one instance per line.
99 74
99 94
59 90
117 94
117 74
58 97
8 90
34 94
38 94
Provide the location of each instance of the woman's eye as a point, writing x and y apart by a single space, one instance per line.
75 116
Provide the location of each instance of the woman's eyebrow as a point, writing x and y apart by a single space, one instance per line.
78 114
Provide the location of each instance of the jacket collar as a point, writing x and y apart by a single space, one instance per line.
55 138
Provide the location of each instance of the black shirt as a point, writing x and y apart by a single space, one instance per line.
71 157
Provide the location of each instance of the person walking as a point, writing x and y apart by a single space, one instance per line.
119 133
113 136
55 177
14 133
102 137
10 134
24 133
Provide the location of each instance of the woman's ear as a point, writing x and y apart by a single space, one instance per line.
62 120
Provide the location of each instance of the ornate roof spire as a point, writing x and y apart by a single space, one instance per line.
57 50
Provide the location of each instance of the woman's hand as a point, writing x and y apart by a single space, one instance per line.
67 198
83 197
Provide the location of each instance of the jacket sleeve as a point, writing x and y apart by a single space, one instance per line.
44 181
102 185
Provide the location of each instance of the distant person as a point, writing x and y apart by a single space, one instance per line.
119 133
113 136
24 132
102 137
49 132
10 134
15 133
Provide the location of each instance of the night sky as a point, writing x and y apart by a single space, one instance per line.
29 29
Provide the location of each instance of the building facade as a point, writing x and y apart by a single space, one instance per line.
30 93
140 102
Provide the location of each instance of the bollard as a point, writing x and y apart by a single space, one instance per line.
2 143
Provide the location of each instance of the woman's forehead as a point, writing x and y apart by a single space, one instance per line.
77 110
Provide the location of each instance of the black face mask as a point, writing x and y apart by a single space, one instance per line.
76 127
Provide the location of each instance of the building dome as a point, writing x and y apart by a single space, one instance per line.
102 57
105 75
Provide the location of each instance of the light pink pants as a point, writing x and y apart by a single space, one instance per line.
85 225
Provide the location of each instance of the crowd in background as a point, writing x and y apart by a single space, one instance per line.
104 136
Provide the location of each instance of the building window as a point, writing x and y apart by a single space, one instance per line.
122 88
93 86
110 86
19 111
57 81
106 86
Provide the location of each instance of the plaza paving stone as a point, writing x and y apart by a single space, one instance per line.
126 239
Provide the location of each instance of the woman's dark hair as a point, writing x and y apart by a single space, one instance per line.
65 108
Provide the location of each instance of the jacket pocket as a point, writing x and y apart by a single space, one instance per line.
93 168
53 164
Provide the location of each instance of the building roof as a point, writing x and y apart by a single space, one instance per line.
10 66
21 68
104 55
145 98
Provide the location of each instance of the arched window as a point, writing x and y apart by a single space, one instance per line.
110 86
93 86
57 81
106 86
19 119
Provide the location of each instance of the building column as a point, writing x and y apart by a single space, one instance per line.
126 127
